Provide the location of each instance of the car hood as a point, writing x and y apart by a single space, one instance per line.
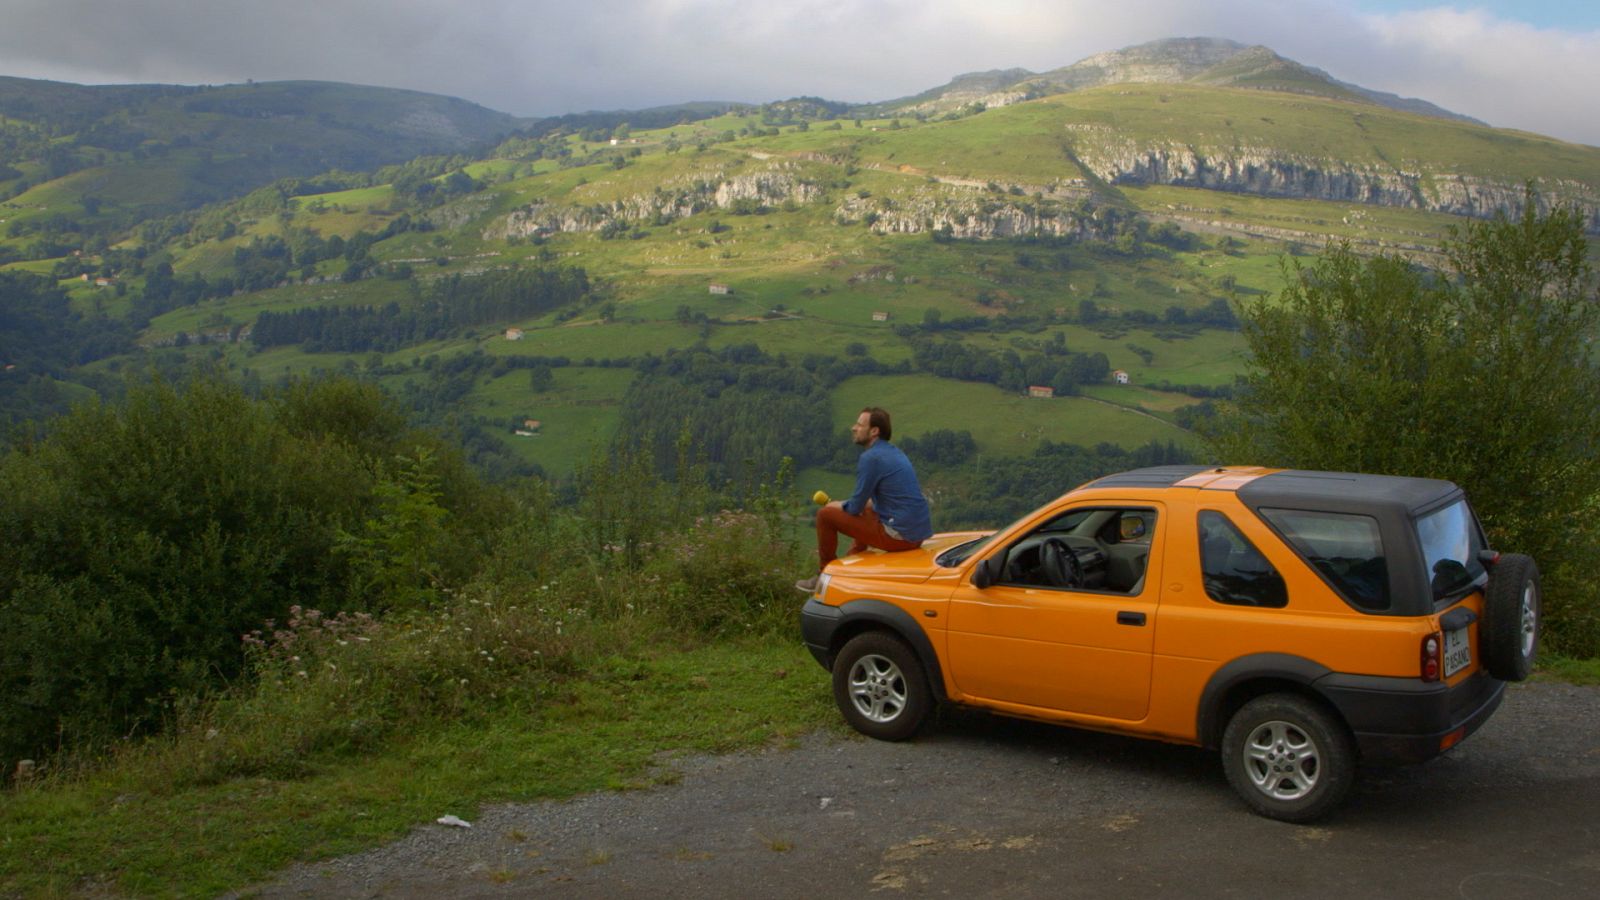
906 565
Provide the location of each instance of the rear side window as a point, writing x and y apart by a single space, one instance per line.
1234 570
1346 549
1450 543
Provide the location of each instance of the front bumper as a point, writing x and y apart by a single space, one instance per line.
1404 720
818 622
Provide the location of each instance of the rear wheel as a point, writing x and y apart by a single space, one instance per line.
1288 757
880 687
1512 617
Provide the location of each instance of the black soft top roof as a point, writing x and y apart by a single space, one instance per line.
1347 492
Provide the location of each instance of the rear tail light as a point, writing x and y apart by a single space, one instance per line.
1432 656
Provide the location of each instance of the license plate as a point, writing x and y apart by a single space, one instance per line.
1457 651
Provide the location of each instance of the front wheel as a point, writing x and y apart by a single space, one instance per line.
880 687
1288 758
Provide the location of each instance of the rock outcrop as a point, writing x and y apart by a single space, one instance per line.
1272 174
778 183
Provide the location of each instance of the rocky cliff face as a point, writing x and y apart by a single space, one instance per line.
1065 208
953 207
1272 174
975 215
780 182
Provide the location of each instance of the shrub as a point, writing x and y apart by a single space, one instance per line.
729 572
344 683
143 538
1485 378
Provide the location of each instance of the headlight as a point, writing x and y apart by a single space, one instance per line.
822 585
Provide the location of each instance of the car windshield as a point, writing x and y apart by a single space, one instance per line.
1450 543
960 553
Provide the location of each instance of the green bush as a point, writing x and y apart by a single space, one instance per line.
346 683
1484 376
728 572
143 538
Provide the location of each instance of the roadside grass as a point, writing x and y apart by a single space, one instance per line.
128 830
1569 669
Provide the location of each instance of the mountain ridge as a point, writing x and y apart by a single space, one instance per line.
1192 60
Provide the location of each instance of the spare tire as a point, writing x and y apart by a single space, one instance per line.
1509 635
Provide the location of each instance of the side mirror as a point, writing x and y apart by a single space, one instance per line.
988 571
1130 528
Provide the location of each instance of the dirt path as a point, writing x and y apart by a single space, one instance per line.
987 807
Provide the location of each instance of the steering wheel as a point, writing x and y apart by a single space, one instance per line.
1059 564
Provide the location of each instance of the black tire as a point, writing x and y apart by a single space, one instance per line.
1288 757
1512 618
880 686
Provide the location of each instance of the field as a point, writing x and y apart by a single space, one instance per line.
577 415
1003 423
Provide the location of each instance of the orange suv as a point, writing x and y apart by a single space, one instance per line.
1301 622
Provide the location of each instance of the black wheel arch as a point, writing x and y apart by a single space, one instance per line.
859 616
1248 677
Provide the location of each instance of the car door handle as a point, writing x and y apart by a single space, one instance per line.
1130 618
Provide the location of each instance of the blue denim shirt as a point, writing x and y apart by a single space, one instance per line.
884 476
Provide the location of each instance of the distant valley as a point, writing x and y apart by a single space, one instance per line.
939 254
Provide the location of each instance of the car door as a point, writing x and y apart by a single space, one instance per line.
1084 651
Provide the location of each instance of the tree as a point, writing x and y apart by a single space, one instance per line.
1483 375
541 378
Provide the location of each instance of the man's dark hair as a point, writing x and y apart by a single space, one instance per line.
878 418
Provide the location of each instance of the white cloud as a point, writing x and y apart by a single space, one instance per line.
1509 74
553 56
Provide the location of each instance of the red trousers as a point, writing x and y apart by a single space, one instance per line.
864 530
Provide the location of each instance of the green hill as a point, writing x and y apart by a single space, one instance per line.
947 260
145 150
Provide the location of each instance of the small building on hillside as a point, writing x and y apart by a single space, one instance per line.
720 289
530 428
513 334
1119 376
880 316
1041 391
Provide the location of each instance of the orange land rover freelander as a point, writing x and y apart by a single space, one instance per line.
1300 622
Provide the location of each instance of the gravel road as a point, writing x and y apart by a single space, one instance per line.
982 806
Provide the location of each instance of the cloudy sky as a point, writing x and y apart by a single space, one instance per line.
1529 65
